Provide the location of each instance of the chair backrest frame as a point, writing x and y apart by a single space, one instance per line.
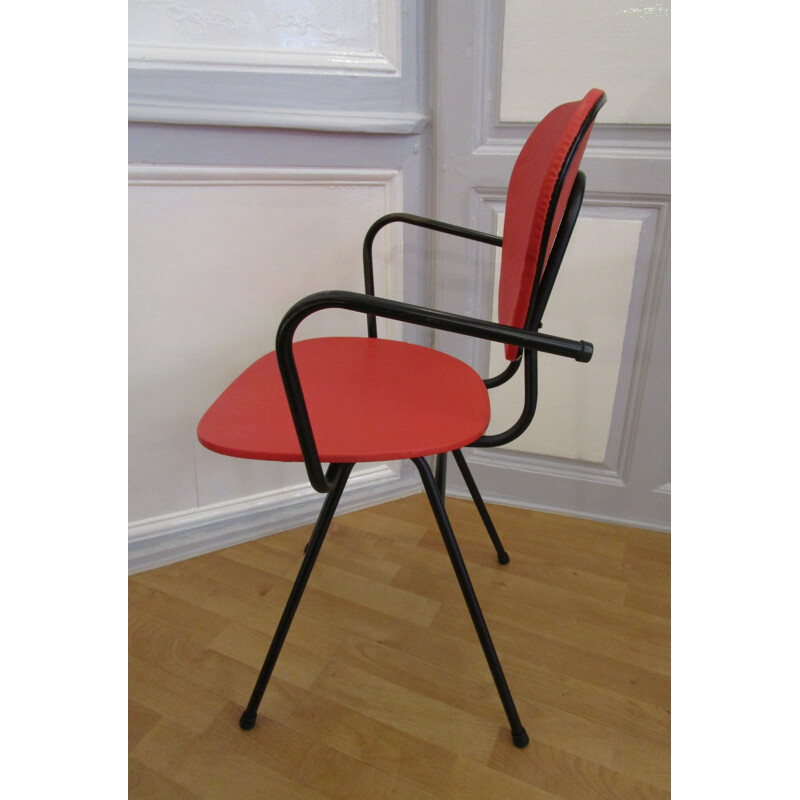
529 246
550 253
550 248
531 372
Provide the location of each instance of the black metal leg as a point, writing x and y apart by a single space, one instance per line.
340 474
518 734
502 556
441 474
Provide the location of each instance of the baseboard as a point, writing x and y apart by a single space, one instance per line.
175 537
165 540
460 491
587 491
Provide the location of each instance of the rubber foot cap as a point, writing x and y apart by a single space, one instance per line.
503 557
520 739
247 722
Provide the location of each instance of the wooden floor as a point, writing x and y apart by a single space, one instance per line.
382 689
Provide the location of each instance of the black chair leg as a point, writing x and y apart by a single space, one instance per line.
502 556
441 474
341 473
518 734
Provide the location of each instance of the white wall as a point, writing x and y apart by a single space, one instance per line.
258 159
218 255
623 46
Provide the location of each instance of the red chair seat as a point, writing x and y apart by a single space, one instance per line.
368 400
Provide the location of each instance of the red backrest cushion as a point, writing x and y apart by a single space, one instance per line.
531 191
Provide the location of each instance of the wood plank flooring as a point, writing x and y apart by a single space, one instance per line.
382 689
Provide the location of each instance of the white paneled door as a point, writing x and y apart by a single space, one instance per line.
501 67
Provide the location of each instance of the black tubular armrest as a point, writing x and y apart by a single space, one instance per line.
404 312
421 222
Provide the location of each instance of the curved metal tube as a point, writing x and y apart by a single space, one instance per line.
531 381
420 222
506 375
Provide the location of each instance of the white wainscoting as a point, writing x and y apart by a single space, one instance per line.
217 255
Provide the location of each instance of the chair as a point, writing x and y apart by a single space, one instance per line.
342 400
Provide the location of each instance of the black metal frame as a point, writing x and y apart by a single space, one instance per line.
332 482
435 498
338 473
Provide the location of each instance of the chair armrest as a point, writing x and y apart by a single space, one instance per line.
404 312
420 222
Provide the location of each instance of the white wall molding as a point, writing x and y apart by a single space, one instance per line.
174 537
212 175
267 60
315 38
654 263
546 465
344 121
651 149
